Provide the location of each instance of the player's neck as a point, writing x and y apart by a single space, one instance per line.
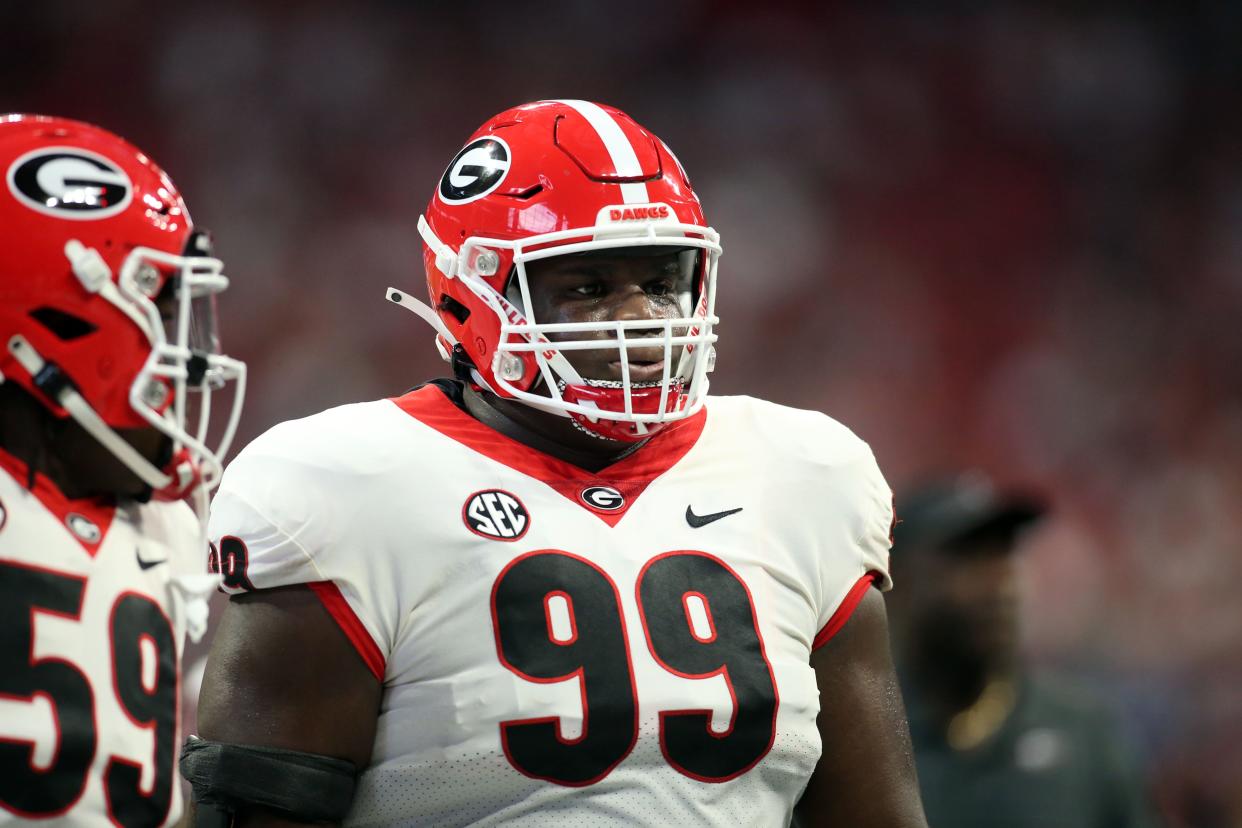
26 433
545 432
979 722
60 450
953 696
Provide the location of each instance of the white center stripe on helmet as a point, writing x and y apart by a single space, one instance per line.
618 146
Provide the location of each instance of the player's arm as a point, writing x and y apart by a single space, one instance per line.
865 777
282 674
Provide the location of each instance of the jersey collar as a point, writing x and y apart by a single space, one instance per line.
87 519
629 476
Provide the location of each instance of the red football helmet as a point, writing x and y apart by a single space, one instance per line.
107 297
554 178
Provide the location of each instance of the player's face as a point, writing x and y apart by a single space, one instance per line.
981 587
609 288
966 603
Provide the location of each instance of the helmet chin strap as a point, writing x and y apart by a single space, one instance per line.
48 379
423 311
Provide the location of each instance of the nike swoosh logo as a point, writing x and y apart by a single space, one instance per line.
696 521
143 563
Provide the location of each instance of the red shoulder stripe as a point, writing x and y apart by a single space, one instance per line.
843 613
340 610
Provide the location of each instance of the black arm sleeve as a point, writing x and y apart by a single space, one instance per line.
227 778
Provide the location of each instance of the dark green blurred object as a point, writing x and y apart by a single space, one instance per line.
1056 762
996 743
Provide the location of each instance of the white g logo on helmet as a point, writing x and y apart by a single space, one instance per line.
477 170
70 183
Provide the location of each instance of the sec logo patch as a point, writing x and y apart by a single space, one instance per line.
495 514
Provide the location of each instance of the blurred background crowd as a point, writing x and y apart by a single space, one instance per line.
997 236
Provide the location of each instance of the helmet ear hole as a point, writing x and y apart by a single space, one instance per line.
454 308
65 326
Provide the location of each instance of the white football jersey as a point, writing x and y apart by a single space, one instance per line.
562 647
93 613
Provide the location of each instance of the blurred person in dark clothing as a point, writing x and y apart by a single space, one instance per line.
996 743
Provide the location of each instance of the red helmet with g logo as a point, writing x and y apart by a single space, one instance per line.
553 178
107 295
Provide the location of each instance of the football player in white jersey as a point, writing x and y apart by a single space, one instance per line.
106 296
565 587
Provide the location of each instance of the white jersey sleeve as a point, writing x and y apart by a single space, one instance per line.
836 498
864 544
288 512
